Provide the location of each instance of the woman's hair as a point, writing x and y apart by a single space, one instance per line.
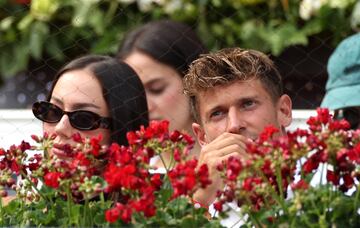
172 43
122 90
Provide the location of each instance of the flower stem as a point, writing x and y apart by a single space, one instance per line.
2 213
356 201
69 199
86 215
48 200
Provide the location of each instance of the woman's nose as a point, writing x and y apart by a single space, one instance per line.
151 104
63 127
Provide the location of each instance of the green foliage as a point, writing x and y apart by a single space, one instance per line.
62 29
56 212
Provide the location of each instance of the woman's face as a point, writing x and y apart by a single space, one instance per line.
164 91
77 90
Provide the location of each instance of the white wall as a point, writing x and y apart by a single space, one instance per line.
18 125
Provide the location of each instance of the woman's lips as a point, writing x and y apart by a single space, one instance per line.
156 119
58 152
61 150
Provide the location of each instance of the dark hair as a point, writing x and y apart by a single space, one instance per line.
122 90
226 66
172 43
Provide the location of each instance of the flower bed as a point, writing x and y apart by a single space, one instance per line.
116 185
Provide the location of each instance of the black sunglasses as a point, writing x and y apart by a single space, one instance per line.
81 120
352 115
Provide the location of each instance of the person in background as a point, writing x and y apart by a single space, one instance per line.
161 52
234 94
93 95
343 85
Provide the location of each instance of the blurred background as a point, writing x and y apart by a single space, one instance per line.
39 36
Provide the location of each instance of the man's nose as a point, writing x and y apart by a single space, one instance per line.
235 122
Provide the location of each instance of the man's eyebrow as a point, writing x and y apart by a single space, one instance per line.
76 105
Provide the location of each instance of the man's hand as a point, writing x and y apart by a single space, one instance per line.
213 154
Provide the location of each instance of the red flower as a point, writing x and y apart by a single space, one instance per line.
24 146
177 155
250 182
156 180
2 152
175 136
300 185
77 138
189 140
203 175
112 215
218 206
332 177
15 167
267 133
132 138
52 179
95 145
323 115
234 167
36 138
354 154
348 181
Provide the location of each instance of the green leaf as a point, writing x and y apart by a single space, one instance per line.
6 23
97 21
38 35
53 47
25 22
83 12
14 59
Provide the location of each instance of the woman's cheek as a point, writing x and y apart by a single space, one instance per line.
49 128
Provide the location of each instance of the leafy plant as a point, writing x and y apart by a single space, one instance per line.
309 178
43 30
93 185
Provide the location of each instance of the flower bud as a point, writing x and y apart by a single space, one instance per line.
3 193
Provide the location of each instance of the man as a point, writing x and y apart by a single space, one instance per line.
234 94
343 86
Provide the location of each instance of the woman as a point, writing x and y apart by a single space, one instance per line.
93 95
161 52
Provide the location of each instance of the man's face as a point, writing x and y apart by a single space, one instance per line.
241 107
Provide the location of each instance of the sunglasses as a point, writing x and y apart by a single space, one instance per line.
352 115
81 119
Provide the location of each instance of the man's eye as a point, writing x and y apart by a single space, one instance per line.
248 104
216 114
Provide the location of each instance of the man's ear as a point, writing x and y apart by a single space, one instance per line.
284 111
199 134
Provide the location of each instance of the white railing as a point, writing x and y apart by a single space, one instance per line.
17 125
